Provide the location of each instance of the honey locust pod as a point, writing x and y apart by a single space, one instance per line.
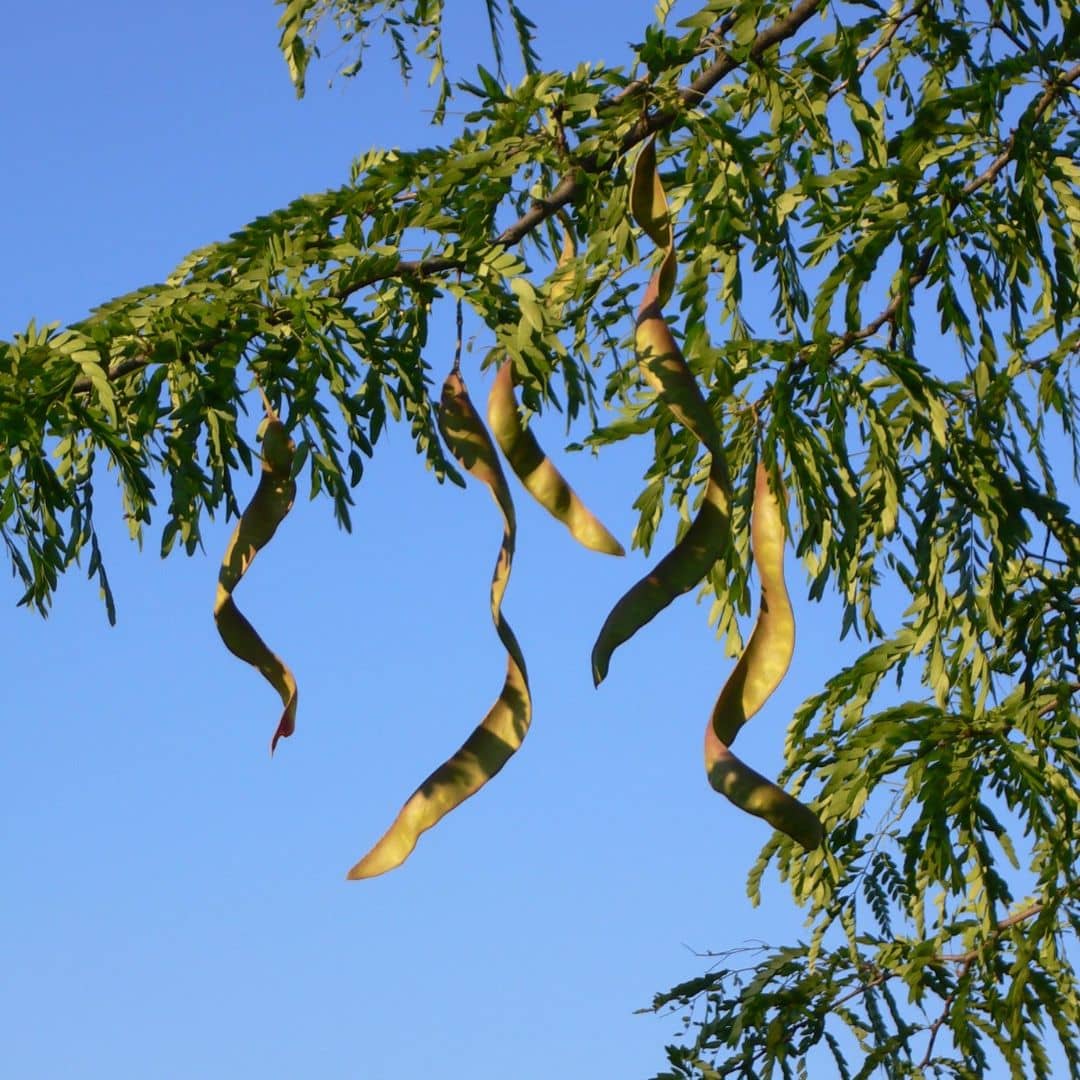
648 200
562 279
666 371
768 653
758 672
537 471
502 730
757 795
272 500
649 208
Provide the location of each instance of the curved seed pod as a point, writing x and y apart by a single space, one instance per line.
676 573
649 208
757 674
666 371
752 792
768 653
501 732
563 276
271 502
537 471
648 202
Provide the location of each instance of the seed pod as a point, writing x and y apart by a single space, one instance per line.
752 792
271 502
501 732
537 471
648 201
666 371
649 208
757 674
676 573
562 279
768 653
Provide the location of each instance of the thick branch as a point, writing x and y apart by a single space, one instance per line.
571 184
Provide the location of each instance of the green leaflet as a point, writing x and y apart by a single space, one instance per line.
666 370
501 732
271 502
757 674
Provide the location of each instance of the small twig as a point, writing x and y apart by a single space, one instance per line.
938 1022
990 173
458 345
968 958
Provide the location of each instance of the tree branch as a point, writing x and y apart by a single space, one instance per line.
569 186
988 175
965 960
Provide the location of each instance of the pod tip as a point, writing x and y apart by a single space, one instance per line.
374 863
599 671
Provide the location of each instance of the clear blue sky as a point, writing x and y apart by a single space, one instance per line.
173 901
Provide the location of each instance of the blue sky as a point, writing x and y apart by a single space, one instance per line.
175 901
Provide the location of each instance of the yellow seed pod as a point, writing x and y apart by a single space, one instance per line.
562 279
649 208
752 792
768 653
676 573
666 371
501 732
537 471
648 200
272 500
757 674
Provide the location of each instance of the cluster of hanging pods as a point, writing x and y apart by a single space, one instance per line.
759 669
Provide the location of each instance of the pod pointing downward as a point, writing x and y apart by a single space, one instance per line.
759 670
537 471
666 371
272 500
768 653
501 732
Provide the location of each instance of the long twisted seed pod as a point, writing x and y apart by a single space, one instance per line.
525 455
271 502
537 471
666 371
768 653
757 795
501 732
757 674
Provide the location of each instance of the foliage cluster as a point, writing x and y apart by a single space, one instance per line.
903 181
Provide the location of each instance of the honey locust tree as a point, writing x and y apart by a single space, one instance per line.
903 181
